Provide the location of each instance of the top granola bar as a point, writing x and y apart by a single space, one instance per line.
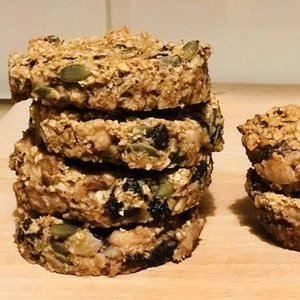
114 72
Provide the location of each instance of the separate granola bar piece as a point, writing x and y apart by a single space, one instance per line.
278 213
272 143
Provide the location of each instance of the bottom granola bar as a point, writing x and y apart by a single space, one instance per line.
80 249
279 213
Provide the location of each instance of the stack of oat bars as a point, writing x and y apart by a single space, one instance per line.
117 157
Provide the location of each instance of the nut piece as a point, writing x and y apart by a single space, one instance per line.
165 190
74 73
190 50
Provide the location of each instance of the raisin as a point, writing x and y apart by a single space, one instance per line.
113 207
257 183
26 224
136 261
101 233
260 153
163 252
201 171
20 236
159 210
131 185
158 256
160 136
177 158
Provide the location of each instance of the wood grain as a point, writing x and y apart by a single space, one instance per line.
234 259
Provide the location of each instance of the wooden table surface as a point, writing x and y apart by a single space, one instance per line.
235 259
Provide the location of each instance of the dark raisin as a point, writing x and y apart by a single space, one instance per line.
20 236
163 252
132 212
112 207
136 261
177 158
131 185
158 256
201 171
36 235
101 233
257 183
26 224
159 210
160 136
260 153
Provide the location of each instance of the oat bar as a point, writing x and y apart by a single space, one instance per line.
102 195
80 249
117 71
151 143
272 143
279 213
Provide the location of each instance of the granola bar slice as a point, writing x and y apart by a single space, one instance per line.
118 71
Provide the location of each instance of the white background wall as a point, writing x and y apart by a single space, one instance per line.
254 41
21 20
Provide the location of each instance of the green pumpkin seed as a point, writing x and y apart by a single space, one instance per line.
44 92
74 73
137 147
174 61
59 247
62 258
165 190
62 231
190 50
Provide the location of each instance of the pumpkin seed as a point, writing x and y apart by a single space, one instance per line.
74 73
165 190
44 92
62 258
174 61
190 50
59 247
143 147
62 231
